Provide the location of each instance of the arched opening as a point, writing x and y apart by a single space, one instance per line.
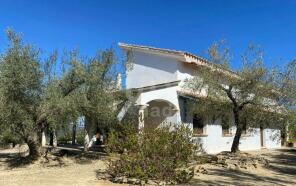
160 112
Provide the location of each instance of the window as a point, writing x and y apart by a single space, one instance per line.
225 122
198 124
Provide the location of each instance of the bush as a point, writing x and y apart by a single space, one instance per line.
292 133
123 137
6 138
152 154
64 136
80 136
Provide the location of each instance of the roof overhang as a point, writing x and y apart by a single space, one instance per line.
156 87
181 56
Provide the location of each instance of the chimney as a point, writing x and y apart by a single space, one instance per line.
118 81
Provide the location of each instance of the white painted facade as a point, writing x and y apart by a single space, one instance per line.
157 76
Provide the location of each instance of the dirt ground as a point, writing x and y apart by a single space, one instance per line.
281 171
81 171
57 171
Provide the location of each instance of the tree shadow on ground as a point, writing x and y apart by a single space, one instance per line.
237 177
50 157
14 160
80 156
284 162
282 165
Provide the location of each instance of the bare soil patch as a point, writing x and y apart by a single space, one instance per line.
69 169
281 170
80 170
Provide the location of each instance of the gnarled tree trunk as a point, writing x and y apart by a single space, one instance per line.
87 126
53 139
89 129
43 138
238 133
34 147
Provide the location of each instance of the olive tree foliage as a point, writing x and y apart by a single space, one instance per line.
20 90
96 96
253 95
287 84
86 87
37 94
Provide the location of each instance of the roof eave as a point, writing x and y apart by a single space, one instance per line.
179 55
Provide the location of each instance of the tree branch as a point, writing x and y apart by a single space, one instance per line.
230 96
241 106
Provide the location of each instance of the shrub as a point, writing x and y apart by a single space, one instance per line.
80 137
123 137
292 133
6 138
152 154
64 136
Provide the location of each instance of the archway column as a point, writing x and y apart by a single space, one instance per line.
43 138
141 116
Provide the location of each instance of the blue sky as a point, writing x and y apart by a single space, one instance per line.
183 25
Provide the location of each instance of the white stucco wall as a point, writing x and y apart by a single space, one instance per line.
187 71
169 94
251 141
272 138
215 142
150 70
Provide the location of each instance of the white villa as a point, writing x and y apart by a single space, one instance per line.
156 79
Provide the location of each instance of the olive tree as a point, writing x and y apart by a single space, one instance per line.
86 88
253 95
33 98
93 89
20 91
